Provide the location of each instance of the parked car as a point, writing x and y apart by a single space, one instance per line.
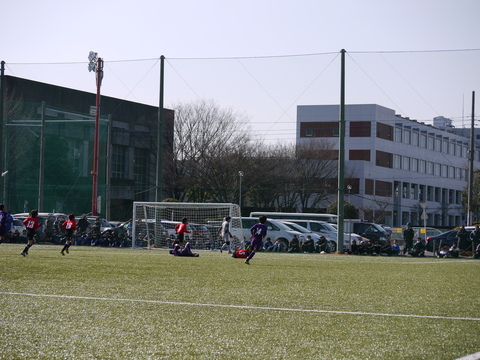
276 230
58 218
329 231
446 238
18 225
374 232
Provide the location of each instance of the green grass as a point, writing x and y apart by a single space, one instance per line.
103 303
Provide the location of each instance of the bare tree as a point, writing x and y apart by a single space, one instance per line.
210 145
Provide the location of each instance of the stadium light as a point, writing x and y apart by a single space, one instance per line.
96 65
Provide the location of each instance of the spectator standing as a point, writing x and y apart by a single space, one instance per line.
408 235
31 224
463 239
49 228
70 226
83 224
226 234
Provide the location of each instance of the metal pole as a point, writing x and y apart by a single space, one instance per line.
341 159
471 162
96 139
161 122
42 160
108 169
240 175
3 164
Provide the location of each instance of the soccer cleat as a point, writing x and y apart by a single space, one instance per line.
61 252
247 262
67 250
23 253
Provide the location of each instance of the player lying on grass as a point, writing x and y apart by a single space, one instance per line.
179 251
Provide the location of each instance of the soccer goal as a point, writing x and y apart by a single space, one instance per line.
153 224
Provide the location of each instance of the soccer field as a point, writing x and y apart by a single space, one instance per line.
110 303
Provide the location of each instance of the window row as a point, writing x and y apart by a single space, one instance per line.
413 191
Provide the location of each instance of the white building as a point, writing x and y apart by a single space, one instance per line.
395 165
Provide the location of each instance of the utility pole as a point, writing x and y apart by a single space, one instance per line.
41 171
341 160
108 169
471 165
2 133
161 122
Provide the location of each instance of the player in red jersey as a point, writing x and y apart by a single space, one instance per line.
70 226
32 224
181 229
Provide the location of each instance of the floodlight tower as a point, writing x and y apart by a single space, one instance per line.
96 65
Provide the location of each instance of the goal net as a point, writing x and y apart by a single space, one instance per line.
153 224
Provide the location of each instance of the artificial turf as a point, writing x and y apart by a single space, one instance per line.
110 303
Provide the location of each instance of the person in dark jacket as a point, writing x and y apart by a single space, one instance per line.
464 242
408 235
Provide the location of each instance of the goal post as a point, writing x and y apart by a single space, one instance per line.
153 223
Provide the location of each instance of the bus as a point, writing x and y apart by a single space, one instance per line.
296 216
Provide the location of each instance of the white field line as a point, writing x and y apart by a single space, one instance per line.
242 306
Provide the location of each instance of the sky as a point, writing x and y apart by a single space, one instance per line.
260 58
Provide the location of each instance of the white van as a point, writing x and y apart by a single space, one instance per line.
329 231
276 230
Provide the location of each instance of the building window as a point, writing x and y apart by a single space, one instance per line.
384 159
397 161
415 137
359 155
444 171
360 128
438 168
406 163
140 166
119 162
429 193
451 172
451 151
423 141
438 144
423 166
430 142
438 192
384 131
308 132
398 134
414 165
405 190
445 146
429 168
406 137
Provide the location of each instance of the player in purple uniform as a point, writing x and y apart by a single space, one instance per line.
258 231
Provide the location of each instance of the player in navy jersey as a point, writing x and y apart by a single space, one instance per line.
31 224
3 222
70 226
258 231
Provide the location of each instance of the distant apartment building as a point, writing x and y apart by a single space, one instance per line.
397 170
